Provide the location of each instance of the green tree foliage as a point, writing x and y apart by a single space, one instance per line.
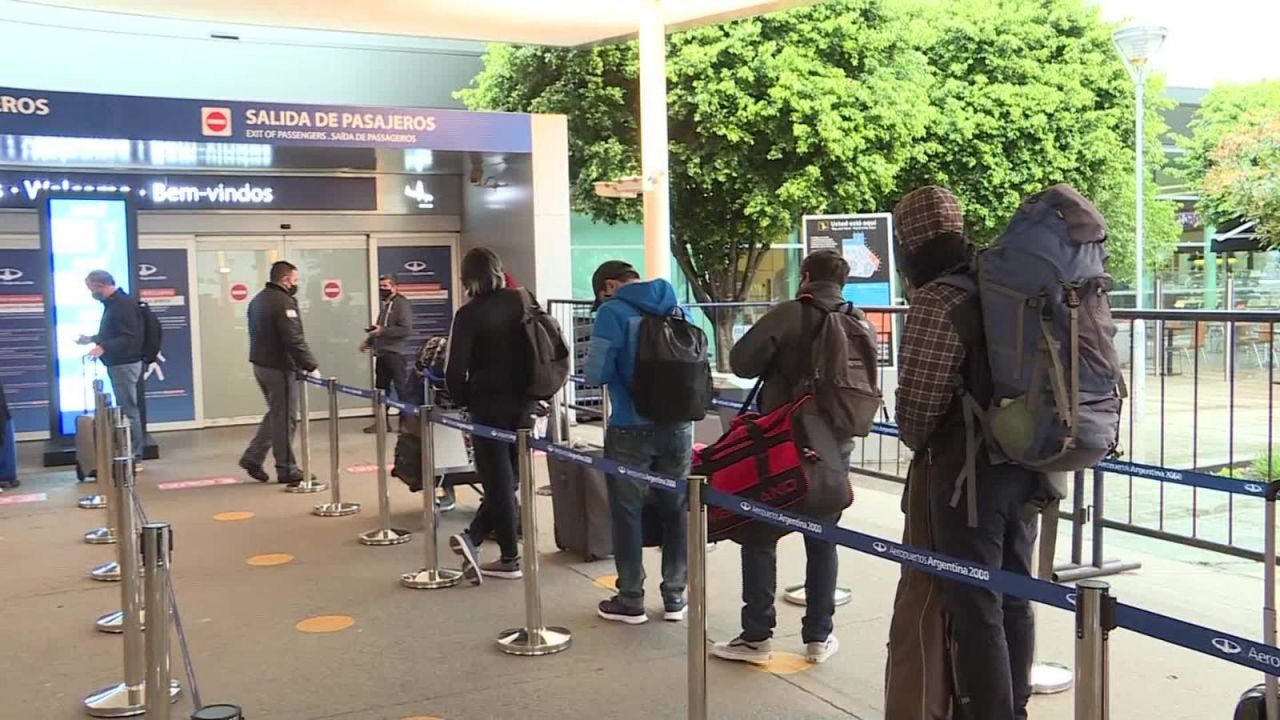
1232 155
844 106
1244 175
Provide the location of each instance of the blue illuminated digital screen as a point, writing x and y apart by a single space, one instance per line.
84 235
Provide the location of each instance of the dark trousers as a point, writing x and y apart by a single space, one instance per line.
275 432
390 373
993 635
760 587
496 464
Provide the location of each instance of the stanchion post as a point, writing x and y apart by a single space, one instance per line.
309 484
126 698
1095 618
697 550
102 469
384 534
120 505
335 507
431 576
157 551
1272 689
102 432
535 638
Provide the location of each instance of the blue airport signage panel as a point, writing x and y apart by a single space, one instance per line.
62 114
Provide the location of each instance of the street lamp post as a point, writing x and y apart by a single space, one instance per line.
1136 44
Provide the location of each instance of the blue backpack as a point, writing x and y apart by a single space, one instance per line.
1050 339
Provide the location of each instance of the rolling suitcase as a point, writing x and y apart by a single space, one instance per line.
1253 703
86 445
580 506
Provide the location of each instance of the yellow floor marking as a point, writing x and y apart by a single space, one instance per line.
269 559
607 582
325 623
785 663
230 516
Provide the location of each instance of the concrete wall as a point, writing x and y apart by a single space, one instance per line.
49 48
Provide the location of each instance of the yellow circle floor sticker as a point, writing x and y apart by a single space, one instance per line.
233 516
608 582
325 623
269 559
785 663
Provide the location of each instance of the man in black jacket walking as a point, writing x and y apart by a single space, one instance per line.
278 351
118 345
388 339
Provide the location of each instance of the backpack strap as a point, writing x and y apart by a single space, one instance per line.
968 477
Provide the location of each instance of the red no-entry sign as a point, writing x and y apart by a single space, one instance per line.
332 289
239 291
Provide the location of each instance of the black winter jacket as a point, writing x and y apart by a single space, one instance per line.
120 332
490 364
275 332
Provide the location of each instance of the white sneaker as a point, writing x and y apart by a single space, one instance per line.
820 652
739 650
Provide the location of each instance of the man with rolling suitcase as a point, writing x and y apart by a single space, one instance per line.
119 345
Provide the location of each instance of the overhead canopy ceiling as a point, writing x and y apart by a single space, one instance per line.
534 22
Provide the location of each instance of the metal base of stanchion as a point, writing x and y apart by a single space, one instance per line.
795 595
113 622
107 572
1072 573
388 536
531 643
123 700
427 579
1049 678
92 502
330 509
101 536
307 487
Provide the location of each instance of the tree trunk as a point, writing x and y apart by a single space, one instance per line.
723 320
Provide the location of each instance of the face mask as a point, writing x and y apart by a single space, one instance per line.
293 290
384 294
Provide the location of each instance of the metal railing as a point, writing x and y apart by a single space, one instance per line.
1204 407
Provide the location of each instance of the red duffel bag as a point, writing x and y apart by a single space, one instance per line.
786 459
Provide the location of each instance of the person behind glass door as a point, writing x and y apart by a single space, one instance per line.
118 345
387 339
488 372
278 350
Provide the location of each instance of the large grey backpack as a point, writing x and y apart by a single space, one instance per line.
1057 383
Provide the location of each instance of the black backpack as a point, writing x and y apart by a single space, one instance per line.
547 348
672 381
152 334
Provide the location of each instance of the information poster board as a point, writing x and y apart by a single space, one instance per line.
24 350
80 235
866 242
425 274
164 284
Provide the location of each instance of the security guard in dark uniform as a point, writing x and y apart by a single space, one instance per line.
278 351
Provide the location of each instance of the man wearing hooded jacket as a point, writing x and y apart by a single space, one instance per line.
942 358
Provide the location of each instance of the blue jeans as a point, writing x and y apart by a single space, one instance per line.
124 385
666 450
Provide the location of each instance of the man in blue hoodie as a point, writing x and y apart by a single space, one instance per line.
622 301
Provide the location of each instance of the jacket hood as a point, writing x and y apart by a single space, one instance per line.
823 291
654 297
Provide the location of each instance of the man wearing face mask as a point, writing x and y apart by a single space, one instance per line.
278 351
118 345
387 339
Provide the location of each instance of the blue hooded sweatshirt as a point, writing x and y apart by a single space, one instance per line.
611 358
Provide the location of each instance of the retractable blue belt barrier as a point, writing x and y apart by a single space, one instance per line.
1224 646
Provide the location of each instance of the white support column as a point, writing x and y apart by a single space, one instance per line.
653 142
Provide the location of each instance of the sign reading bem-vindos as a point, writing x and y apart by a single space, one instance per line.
24 189
37 112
